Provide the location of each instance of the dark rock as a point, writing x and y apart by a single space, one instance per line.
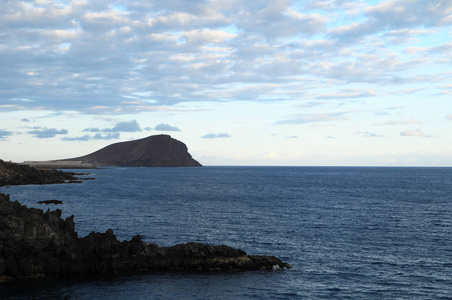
37 244
153 151
50 202
16 174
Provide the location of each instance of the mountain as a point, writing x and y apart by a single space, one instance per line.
153 151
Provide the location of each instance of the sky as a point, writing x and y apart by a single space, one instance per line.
265 82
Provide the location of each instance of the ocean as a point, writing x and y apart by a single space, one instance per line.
348 232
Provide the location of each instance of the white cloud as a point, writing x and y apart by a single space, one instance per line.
205 36
370 134
166 127
126 126
409 13
414 133
168 48
312 118
4 134
348 93
45 133
216 135
97 136
399 122
130 126
395 16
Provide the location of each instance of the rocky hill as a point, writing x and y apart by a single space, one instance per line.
153 151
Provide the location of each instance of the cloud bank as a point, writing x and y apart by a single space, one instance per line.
96 57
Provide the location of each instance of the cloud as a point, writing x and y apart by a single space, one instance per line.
449 117
166 127
348 93
414 133
406 13
387 111
146 56
80 138
275 19
92 129
216 135
157 54
97 136
111 133
399 122
107 136
45 133
25 120
370 134
291 137
310 118
130 126
396 15
4 134
127 126
310 104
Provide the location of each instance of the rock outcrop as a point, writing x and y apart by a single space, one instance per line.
50 202
38 244
153 151
15 174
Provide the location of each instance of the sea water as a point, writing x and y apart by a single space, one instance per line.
349 233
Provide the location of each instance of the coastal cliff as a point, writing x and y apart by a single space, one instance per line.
153 151
38 244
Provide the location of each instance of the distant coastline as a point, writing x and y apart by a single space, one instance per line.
59 164
152 151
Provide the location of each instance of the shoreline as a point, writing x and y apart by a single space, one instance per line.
39 244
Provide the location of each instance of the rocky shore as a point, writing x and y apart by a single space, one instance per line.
15 174
38 244
34 243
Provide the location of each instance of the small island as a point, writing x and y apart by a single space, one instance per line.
34 243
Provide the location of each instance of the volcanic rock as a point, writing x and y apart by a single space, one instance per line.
50 202
16 174
38 244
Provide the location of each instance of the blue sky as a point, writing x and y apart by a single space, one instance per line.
302 83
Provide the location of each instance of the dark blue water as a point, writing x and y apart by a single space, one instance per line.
349 233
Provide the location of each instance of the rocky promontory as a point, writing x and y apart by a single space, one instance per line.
153 151
38 244
15 174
